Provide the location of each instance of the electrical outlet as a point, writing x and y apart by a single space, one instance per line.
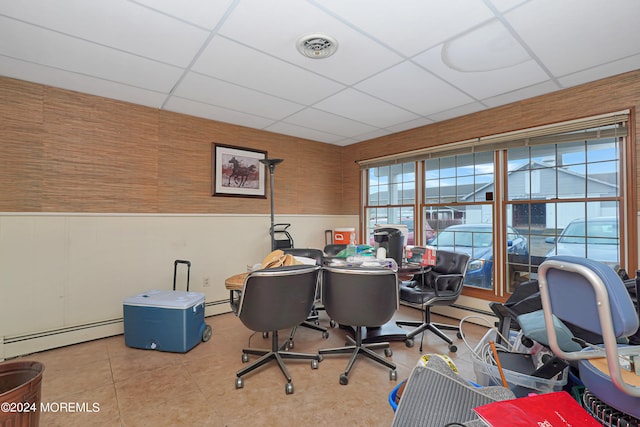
205 281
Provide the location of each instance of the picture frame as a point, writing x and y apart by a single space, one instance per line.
237 172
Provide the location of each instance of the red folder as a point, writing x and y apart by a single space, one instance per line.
557 409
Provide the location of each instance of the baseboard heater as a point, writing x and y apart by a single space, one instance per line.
21 345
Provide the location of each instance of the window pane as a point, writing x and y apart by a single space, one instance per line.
465 178
543 156
572 153
380 217
391 185
602 179
467 229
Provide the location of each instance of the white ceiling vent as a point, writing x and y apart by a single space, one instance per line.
317 46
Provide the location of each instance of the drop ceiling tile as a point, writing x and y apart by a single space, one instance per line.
79 83
274 27
358 106
520 94
230 61
203 13
411 124
197 87
504 5
409 26
67 53
345 142
212 112
411 87
462 110
485 82
302 132
565 46
324 121
370 135
139 30
596 73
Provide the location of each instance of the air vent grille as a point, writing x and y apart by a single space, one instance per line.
317 46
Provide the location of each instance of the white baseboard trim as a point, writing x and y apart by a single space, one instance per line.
22 345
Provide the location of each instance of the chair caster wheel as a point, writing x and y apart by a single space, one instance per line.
314 364
265 335
409 343
289 345
239 383
288 388
453 348
344 380
459 335
393 375
332 323
388 352
316 322
206 334
325 335
245 358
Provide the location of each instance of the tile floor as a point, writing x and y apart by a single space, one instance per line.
149 388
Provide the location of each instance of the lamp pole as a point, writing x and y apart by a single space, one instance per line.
271 164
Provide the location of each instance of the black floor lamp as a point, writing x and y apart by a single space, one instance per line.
271 163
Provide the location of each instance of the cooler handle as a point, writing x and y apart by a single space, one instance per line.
175 270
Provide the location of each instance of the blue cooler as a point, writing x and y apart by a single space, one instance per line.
165 320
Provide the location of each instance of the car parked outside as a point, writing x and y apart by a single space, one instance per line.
595 238
476 240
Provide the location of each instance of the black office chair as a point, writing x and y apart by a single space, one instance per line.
360 297
440 284
312 321
274 299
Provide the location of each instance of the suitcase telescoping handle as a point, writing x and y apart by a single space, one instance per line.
175 270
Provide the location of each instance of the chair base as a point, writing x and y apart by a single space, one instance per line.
421 327
278 355
365 349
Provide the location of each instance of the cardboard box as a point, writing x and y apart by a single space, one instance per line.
423 255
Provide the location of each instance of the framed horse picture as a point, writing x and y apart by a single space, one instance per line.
237 171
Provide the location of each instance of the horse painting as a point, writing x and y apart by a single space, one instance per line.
240 172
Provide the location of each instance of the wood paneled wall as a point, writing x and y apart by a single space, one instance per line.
62 151
603 96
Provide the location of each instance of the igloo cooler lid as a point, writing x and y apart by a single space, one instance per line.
166 299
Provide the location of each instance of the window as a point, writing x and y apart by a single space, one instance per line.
391 198
510 201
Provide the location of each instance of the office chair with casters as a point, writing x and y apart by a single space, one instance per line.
590 294
273 299
312 321
440 284
360 297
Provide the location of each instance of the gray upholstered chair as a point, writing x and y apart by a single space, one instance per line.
273 299
437 285
590 294
360 297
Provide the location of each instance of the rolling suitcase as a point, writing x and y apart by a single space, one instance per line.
164 320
